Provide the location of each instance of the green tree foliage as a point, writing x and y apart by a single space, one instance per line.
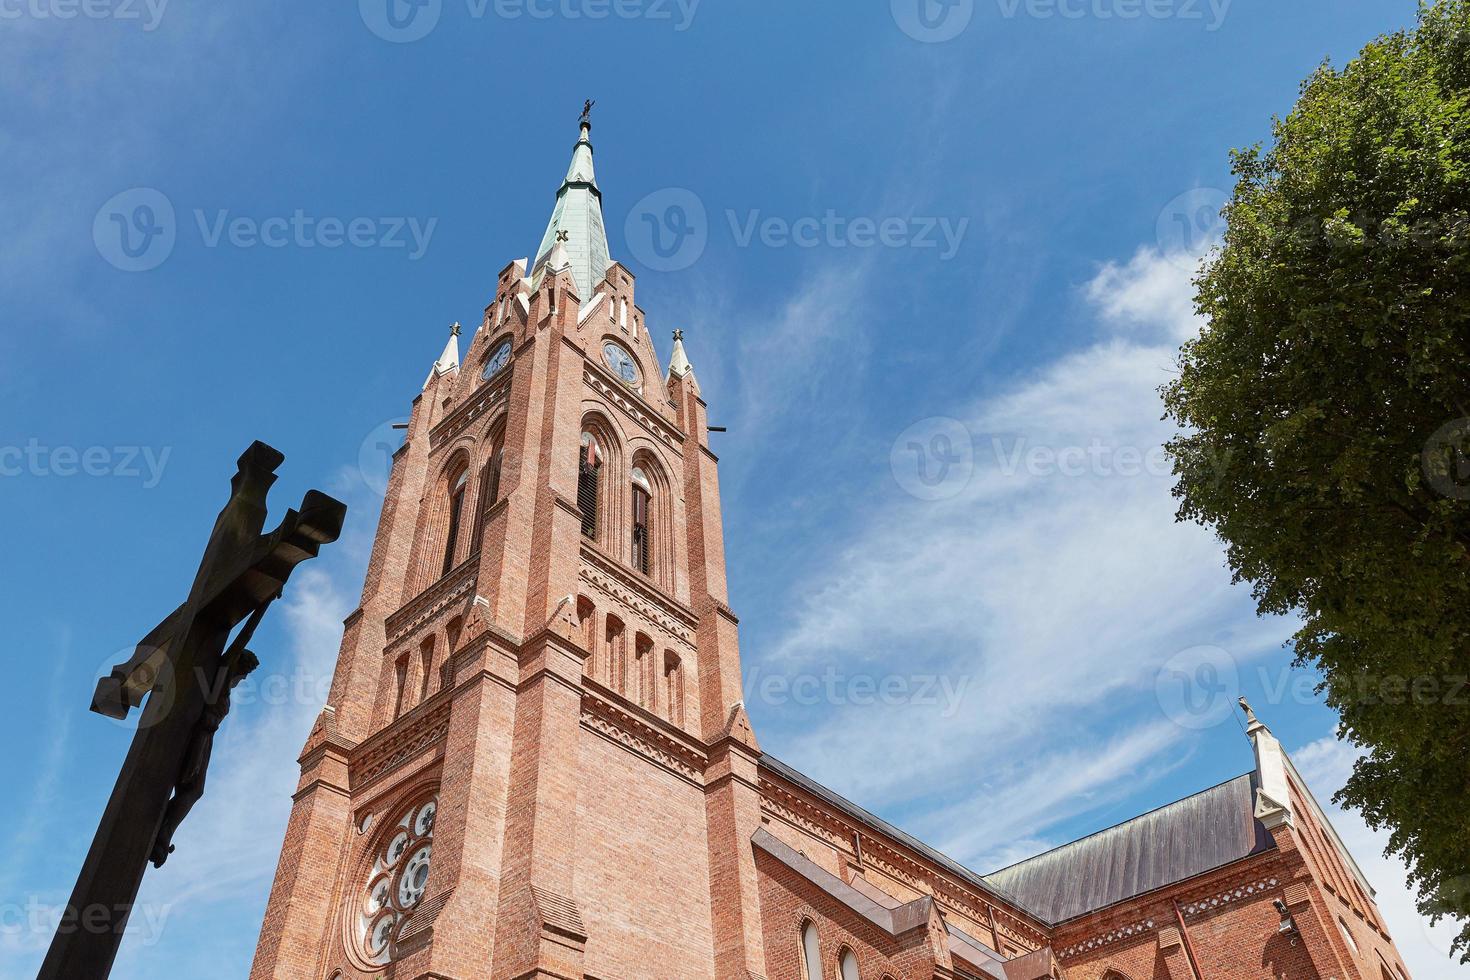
1325 411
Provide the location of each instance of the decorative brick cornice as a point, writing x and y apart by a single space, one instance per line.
638 595
1228 896
894 861
634 408
400 743
1108 938
477 405
600 714
432 601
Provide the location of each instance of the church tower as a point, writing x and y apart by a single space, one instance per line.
533 761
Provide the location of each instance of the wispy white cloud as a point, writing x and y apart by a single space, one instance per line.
1049 580
1326 764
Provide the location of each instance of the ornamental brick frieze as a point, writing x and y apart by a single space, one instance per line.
476 406
626 729
432 601
1130 931
395 746
615 393
797 811
621 586
1229 896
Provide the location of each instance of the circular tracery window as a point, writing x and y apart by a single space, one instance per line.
395 884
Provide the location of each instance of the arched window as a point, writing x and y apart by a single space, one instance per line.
456 514
617 670
643 664
848 963
587 619
642 505
811 952
1347 934
489 485
400 676
589 463
674 686
426 667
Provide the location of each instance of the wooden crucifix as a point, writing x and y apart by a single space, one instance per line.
185 665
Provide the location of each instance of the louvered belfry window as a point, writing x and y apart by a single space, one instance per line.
642 498
589 462
456 511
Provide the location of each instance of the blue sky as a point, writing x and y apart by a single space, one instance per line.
964 600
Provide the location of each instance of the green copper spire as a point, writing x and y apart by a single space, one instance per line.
577 220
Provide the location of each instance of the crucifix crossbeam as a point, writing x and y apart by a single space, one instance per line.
188 664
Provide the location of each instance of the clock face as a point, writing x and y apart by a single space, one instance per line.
498 360
621 362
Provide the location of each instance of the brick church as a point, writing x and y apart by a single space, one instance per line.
535 762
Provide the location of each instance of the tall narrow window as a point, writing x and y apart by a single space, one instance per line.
643 666
587 618
401 673
642 499
811 952
589 463
426 667
617 669
674 687
456 511
489 494
848 962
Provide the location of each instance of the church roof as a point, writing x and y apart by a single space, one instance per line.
889 830
1177 841
576 222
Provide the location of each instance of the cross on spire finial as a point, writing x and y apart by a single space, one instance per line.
454 329
587 110
678 335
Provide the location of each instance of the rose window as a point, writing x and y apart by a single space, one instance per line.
396 882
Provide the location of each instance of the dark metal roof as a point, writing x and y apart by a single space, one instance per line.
857 813
1178 841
